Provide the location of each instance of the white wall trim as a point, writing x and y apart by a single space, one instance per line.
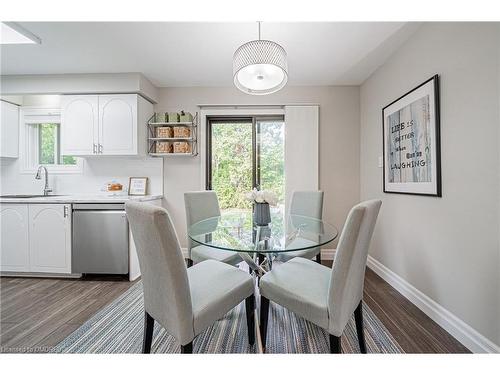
464 333
327 254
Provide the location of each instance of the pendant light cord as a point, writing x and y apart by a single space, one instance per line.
259 28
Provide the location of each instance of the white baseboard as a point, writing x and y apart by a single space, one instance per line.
464 333
327 254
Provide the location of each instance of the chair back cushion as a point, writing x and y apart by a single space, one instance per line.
348 273
200 205
165 282
307 203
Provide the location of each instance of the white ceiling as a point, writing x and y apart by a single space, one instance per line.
200 54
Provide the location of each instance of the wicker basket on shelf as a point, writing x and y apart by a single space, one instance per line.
164 148
182 147
164 132
182 132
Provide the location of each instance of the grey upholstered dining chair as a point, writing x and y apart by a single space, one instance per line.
184 301
326 297
202 205
305 203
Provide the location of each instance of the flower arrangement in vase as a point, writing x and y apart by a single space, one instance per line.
262 199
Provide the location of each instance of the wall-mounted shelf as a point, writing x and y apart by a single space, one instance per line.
171 154
189 124
153 139
172 139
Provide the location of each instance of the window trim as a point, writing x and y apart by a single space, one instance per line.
29 149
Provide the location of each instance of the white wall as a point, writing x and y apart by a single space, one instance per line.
448 248
97 171
338 143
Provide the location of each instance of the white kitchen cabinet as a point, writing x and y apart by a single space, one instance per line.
9 130
104 124
79 124
14 243
50 238
118 124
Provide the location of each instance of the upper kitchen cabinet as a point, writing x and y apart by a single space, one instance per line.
79 124
104 124
9 130
118 124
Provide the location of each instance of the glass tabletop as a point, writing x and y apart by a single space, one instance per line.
236 232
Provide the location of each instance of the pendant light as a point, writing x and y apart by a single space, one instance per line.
260 67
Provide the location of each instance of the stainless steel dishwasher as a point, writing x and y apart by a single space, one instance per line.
100 238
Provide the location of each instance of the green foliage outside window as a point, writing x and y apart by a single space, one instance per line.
232 161
272 158
49 144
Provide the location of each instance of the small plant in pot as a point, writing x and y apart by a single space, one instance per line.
262 199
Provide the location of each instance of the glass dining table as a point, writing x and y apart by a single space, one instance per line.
260 245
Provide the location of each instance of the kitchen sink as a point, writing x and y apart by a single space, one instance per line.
27 196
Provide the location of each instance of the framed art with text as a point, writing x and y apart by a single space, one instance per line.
412 159
137 185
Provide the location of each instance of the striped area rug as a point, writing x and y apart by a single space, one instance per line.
118 328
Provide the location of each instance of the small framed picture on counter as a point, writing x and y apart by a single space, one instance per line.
137 186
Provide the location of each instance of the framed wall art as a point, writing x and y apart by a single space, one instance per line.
137 186
411 136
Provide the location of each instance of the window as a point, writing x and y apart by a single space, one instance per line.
243 153
49 146
42 143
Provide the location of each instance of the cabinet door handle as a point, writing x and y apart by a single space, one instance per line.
100 148
65 211
95 148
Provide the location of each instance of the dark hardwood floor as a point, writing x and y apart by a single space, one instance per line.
36 314
413 330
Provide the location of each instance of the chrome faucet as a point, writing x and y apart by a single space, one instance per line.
46 189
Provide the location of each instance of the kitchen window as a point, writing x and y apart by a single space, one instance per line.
42 143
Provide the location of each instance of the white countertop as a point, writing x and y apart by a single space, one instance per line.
81 198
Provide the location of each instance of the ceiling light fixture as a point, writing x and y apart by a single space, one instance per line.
260 67
13 33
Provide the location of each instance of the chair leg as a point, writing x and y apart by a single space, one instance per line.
264 313
149 324
318 257
335 346
358 317
250 309
189 262
187 349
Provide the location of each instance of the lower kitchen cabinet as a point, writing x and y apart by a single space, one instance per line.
50 238
37 238
15 240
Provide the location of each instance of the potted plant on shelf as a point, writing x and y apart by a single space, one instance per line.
262 199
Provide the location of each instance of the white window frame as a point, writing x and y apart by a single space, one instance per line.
28 136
